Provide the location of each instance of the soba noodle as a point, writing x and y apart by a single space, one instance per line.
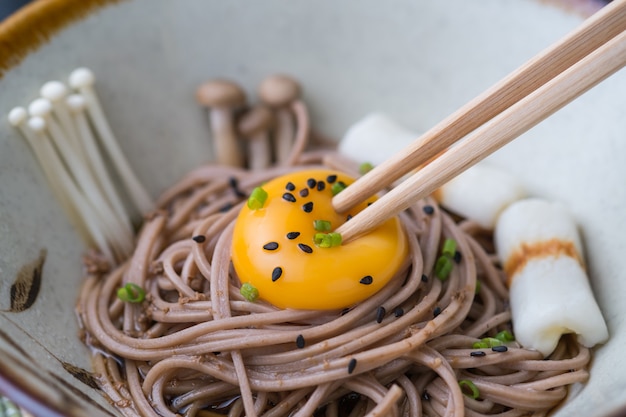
195 346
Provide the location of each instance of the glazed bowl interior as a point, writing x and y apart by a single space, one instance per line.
415 61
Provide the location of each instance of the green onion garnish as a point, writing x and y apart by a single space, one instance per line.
469 389
337 187
131 293
443 267
449 247
257 198
321 225
487 342
365 167
249 292
477 289
327 240
505 336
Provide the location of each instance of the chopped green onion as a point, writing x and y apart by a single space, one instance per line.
337 187
477 289
505 336
449 247
257 198
321 225
487 342
327 240
443 267
365 167
249 292
131 293
469 389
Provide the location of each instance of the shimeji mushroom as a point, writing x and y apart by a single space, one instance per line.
254 126
82 79
281 92
223 98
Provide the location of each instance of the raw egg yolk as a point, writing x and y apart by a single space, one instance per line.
274 245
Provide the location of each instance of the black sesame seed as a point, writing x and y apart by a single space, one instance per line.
234 184
305 248
276 273
304 192
380 314
199 238
311 182
424 278
428 210
271 246
366 280
348 217
399 312
308 207
289 197
290 186
226 207
331 178
425 396
478 353
500 348
351 365
436 311
457 257
321 185
292 235
300 341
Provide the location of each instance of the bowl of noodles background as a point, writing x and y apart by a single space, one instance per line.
416 61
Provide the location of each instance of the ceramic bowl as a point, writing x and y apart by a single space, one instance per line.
416 61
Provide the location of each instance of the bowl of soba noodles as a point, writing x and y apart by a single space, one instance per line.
180 185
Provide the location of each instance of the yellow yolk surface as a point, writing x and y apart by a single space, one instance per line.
274 248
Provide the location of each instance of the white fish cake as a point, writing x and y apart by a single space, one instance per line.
374 139
481 193
539 246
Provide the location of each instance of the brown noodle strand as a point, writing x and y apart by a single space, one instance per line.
196 344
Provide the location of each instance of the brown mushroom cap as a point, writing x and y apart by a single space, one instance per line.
220 93
256 120
279 90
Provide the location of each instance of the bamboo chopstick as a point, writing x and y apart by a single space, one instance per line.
594 32
500 130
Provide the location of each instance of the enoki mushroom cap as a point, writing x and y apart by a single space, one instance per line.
40 107
17 116
81 77
221 94
53 90
257 120
279 90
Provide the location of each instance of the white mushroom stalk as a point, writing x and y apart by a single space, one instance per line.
82 79
550 295
76 105
18 118
83 208
118 232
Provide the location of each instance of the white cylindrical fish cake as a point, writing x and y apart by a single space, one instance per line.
374 139
540 249
480 193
